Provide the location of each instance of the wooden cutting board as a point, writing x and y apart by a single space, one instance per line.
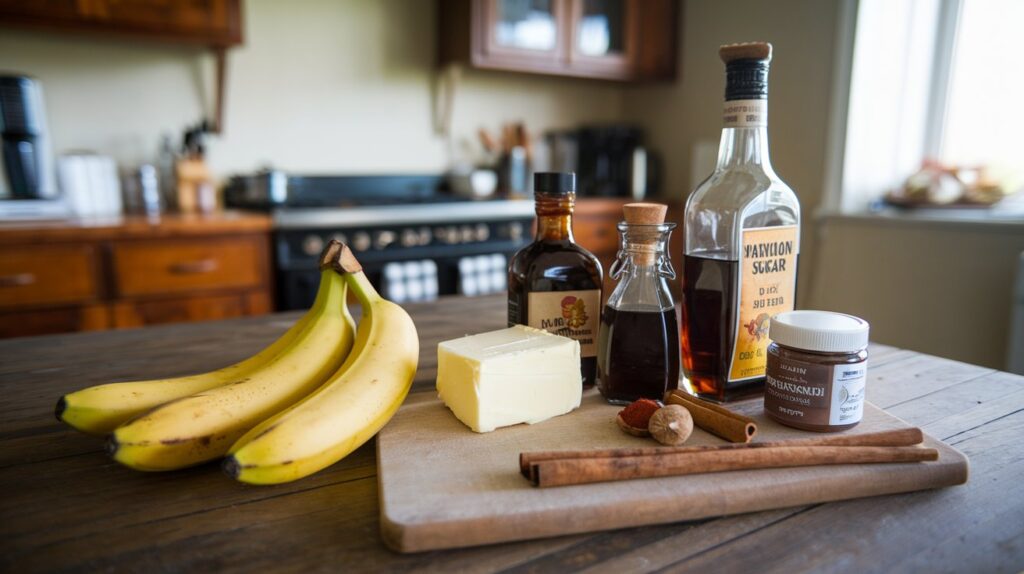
444 486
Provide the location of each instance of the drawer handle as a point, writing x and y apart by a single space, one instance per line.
194 267
17 280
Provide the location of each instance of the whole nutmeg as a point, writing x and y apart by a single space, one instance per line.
671 425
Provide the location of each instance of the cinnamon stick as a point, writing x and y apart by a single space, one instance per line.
714 419
565 472
897 437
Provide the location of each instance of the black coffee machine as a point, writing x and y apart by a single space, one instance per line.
27 163
609 161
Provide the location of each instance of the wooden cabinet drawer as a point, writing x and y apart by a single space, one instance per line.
58 320
181 266
160 311
48 275
597 234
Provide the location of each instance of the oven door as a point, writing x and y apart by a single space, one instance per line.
444 260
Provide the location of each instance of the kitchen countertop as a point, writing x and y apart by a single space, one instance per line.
67 506
133 226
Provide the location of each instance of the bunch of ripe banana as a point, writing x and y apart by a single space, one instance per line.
299 405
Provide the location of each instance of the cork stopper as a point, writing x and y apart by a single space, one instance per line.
745 51
643 244
644 213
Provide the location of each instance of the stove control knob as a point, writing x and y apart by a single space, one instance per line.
410 238
466 234
384 238
515 230
312 245
482 232
424 235
340 237
361 241
451 235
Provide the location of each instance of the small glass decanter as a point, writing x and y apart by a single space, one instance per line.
638 344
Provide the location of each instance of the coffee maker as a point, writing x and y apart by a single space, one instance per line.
26 159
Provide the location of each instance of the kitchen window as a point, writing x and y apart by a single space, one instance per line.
925 79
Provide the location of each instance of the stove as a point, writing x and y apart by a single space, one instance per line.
414 240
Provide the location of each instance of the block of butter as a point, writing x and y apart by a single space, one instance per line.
510 376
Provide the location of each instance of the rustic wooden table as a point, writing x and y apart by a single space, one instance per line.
66 506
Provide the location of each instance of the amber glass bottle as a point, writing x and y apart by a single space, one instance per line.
553 283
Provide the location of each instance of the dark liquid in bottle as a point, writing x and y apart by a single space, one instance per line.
552 266
709 328
639 354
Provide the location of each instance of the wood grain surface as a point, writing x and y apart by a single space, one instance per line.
67 507
444 486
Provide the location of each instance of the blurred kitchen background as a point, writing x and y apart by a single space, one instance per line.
184 160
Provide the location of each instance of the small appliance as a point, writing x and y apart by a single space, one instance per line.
609 161
26 154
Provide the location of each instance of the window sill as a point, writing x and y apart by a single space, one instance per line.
990 219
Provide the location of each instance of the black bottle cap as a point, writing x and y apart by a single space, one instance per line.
746 80
554 182
746 70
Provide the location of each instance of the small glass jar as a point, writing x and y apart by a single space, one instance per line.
816 370
638 344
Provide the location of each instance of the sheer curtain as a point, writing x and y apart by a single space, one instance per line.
894 102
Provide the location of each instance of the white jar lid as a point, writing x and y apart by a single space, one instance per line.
821 331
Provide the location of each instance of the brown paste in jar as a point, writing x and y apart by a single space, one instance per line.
816 370
799 391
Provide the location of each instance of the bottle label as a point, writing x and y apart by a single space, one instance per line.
815 394
745 114
767 283
573 314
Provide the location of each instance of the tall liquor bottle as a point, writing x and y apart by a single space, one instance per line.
742 242
553 283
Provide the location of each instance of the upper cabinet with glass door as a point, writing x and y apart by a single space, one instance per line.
628 40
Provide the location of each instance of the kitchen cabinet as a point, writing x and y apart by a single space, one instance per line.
132 272
595 227
625 40
205 22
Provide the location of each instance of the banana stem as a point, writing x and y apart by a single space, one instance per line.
331 293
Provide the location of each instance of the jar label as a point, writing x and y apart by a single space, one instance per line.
813 394
766 285
573 314
848 383
745 114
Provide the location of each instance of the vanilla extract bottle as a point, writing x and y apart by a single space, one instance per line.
553 283
638 346
742 243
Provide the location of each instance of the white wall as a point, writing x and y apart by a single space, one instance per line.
943 288
319 86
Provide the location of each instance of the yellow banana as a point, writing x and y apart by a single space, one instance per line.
203 426
100 409
347 410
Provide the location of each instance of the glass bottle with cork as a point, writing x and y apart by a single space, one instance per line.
553 283
638 346
742 241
